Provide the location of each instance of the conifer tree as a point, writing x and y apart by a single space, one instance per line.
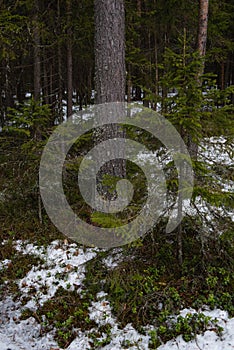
110 72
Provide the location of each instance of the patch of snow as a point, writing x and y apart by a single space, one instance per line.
63 267
4 263
69 260
16 334
100 311
127 338
113 259
209 340
81 342
215 151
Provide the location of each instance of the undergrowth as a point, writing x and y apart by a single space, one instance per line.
148 285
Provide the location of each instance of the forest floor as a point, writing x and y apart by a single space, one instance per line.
62 264
40 280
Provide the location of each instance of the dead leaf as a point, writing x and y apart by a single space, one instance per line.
68 267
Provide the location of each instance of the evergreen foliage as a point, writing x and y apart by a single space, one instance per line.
162 73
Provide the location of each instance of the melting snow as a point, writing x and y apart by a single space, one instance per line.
64 265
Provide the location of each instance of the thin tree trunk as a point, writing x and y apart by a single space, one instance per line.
8 89
139 8
45 82
201 46
2 106
156 70
227 72
52 89
148 75
156 60
202 27
36 52
69 59
223 75
19 85
60 87
138 93
138 28
164 88
37 79
202 33
129 85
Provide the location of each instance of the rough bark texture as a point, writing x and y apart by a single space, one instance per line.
202 32
110 77
201 46
202 27
69 59
36 52
109 51
60 86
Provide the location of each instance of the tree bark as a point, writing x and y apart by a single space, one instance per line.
110 77
202 26
222 75
45 83
60 87
36 52
156 70
202 32
201 47
109 51
69 60
129 85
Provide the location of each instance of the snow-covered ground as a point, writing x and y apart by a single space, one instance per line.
64 265
215 151
210 340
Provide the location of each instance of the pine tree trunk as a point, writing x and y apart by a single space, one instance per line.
156 70
36 52
202 26
129 85
222 75
37 80
227 73
109 51
110 77
201 46
69 60
60 87
202 32
45 82
9 102
139 8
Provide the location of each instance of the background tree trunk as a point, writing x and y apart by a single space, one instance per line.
202 26
201 46
69 60
36 52
60 86
202 32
